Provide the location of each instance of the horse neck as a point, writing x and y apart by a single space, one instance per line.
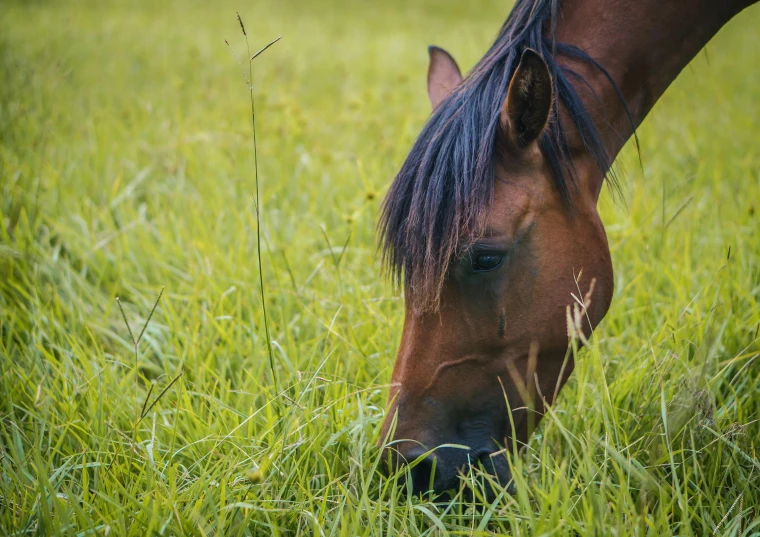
643 45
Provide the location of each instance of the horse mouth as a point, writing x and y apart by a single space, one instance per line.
443 473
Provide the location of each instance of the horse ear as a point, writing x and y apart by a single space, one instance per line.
443 75
529 100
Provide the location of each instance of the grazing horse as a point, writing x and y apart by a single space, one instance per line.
492 218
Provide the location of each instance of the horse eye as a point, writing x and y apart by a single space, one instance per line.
486 262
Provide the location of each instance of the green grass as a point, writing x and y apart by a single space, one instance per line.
126 166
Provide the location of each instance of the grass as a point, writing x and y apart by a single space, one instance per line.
126 167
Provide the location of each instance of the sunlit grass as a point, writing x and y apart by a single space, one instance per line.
126 166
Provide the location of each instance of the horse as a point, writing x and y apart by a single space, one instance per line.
493 217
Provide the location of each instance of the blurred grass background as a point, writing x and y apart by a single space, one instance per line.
126 165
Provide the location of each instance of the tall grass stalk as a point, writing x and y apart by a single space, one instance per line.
257 201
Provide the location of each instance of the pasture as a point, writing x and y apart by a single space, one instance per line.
127 172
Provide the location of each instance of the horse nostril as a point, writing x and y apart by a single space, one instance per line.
423 474
422 468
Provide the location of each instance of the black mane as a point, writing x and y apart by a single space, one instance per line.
439 197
